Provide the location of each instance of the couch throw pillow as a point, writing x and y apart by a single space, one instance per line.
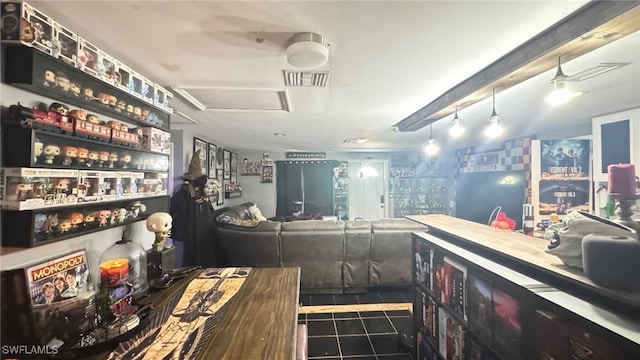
224 218
256 214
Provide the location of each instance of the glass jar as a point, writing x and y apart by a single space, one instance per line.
136 257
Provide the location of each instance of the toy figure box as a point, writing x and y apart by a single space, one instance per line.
155 184
106 67
123 78
125 184
65 44
156 140
27 189
46 300
161 97
109 185
147 91
22 23
88 59
89 186
137 184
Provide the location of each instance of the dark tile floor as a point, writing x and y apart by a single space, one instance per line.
371 335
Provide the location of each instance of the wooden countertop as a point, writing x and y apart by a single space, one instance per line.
523 253
260 322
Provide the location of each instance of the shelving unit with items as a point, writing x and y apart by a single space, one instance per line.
341 191
468 306
420 188
95 157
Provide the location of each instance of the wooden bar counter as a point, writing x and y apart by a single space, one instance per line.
260 322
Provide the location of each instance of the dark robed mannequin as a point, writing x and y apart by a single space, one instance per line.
193 222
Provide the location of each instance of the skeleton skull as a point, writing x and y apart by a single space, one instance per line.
565 238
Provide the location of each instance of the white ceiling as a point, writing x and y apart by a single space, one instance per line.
387 60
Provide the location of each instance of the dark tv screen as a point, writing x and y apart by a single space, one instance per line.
478 194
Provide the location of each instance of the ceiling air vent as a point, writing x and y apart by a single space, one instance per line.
306 78
594 71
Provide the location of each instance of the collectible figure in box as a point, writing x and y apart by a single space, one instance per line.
137 184
65 46
167 102
107 69
136 88
89 186
109 182
159 96
147 90
155 184
87 57
156 140
125 184
21 23
26 188
49 300
122 76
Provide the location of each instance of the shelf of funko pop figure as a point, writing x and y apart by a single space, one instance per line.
16 138
20 238
24 67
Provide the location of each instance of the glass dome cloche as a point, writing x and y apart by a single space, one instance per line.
136 257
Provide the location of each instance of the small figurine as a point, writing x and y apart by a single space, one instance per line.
37 149
61 109
114 124
88 94
137 112
75 89
70 155
24 191
159 223
83 154
103 217
92 158
76 219
104 157
89 219
121 106
61 185
78 114
50 224
129 110
113 101
93 118
126 161
113 159
49 79
64 226
82 191
50 152
121 214
62 82
104 99
144 115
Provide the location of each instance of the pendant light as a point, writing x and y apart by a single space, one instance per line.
560 94
494 129
456 129
432 148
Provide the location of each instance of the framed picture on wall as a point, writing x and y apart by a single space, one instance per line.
219 175
219 158
227 165
211 168
234 165
199 144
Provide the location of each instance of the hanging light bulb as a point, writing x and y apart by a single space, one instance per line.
494 130
560 94
456 129
432 148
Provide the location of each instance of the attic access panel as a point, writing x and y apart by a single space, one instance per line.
235 99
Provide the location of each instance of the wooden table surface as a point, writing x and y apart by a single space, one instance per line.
527 252
260 323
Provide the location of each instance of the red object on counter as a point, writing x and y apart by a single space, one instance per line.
114 272
622 179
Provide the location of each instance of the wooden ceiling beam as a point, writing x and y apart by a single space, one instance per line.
594 25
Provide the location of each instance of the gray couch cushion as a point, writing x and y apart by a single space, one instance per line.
357 246
313 225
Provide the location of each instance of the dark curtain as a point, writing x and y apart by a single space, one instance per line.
314 178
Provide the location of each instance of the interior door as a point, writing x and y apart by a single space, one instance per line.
367 190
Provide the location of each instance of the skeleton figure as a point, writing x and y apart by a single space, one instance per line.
565 238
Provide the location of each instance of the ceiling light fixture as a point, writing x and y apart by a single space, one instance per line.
307 50
494 129
456 129
432 148
355 141
561 94
278 134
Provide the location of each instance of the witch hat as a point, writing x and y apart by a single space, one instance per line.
195 168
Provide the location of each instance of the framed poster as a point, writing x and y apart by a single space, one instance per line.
199 144
219 158
219 175
211 168
234 165
227 165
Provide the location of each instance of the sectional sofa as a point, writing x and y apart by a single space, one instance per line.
334 256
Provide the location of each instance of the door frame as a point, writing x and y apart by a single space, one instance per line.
385 181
